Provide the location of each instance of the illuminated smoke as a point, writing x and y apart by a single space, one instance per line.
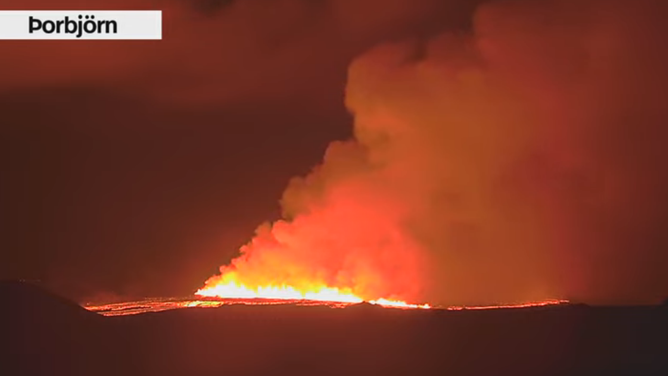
520 163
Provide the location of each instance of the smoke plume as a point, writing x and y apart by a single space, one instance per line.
520 162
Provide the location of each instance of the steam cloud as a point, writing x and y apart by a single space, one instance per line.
522 162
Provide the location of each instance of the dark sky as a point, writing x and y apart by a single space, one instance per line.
137 168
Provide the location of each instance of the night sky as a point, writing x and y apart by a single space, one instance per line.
138 168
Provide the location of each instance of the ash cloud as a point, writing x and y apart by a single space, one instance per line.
521 162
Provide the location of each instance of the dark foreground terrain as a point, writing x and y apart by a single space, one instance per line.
41 334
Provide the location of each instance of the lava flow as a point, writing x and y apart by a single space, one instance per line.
166 304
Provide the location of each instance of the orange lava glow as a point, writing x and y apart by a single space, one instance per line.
232 290
166 304
543 303
235 290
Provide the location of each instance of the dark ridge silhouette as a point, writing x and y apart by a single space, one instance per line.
28 301
48 336
364 306
42 332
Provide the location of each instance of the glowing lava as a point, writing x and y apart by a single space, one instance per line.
235 290
544 303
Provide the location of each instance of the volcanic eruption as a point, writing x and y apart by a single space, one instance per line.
483 169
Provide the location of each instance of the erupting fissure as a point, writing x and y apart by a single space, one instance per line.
320 293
